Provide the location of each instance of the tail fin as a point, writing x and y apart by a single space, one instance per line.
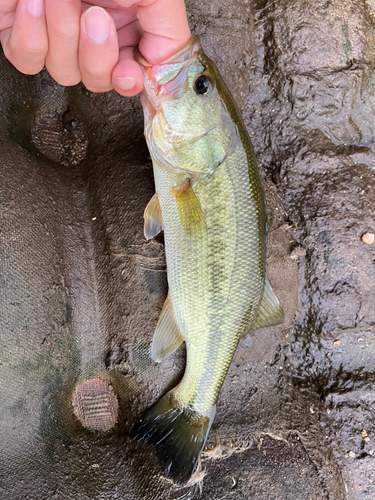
178 434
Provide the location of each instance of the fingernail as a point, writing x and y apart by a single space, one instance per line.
35 7
126 83
97 24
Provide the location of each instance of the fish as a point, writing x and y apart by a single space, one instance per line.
210 204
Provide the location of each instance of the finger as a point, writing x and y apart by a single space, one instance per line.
7 17
114 3
109 4
63 18
166 30
98 49
121 17
127 76
130 35
25 44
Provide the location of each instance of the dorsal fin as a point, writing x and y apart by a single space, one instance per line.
269 312
167 336
153 218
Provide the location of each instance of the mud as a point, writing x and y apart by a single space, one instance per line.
81 289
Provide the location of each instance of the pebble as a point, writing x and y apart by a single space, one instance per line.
368 238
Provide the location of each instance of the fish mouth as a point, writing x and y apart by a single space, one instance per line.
163 71
168 77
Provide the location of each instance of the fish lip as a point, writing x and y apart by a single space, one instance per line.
156 75
146 64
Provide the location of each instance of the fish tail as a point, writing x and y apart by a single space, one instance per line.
178 434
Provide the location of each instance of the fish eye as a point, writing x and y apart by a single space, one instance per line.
203 85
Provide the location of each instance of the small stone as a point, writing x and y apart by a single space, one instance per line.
371 452
328 411
298 251
363 433
337 342
312 411
370 480
351 454
368 238
367 439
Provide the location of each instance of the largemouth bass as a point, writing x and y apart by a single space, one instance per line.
210 204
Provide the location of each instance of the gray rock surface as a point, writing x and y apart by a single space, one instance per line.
81 289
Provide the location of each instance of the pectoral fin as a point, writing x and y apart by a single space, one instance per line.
269 312
188 208
167 336
153 219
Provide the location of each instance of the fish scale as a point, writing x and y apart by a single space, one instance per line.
211 206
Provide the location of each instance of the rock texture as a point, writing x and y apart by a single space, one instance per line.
315 107
81 289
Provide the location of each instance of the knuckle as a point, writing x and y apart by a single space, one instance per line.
35 50
32 45
97 82
28 54
32 70
23 63
67 80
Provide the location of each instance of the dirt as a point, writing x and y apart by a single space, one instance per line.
81 289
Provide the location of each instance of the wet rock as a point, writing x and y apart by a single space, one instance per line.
269 468
227 35
312 102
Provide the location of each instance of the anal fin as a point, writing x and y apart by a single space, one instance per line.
167 336
269 312
153 218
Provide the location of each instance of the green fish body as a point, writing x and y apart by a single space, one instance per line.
210 204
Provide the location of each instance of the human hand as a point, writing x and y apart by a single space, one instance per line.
92 41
